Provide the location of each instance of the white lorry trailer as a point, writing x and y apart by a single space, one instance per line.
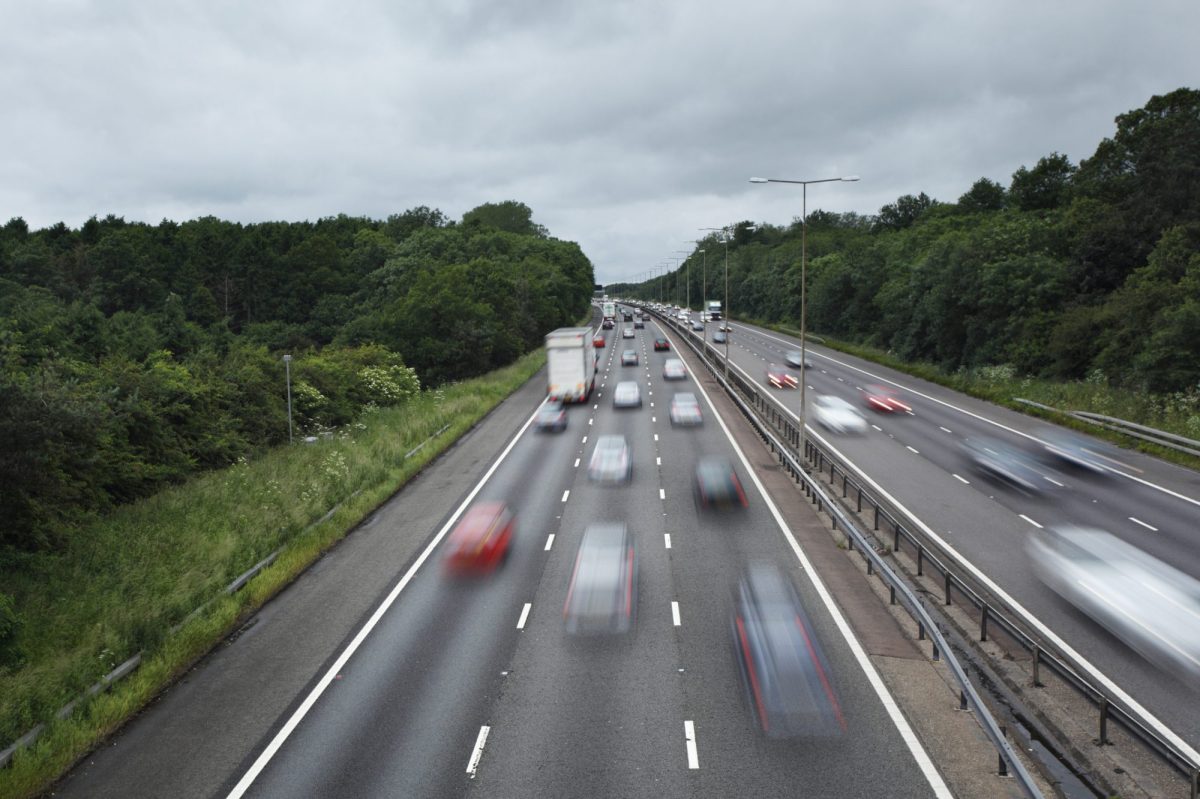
571 363
712 309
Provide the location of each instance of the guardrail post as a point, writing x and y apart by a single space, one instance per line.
1003 763
1196 784
983 620
936 654
891 594
920 631
859 491
920 560
844 476
870 565
946 581
895 532
1103 720
962 699
876 515
1037 664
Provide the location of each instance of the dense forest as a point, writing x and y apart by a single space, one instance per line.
133 355
1088 270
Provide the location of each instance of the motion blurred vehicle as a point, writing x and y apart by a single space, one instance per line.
787 680
602 595
551 416
1151 606
1078 451
629 358
838 416
627 332
598 341
685 410
884 400
480 541
570 364
724 327
697 325
720 338
607 324
717 485
1004 462
611 461
627 315
779 377
673 369
661 344
639 324
795 360
627 395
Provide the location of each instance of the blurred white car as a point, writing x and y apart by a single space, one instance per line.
1152 607
685 410
673 369
837 415
611 460
627 395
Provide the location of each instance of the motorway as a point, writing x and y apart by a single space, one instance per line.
918 459
424 685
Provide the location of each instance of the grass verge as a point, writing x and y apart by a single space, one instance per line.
129 578
1177 413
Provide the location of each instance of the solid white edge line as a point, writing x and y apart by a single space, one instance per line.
1031 521
549 542
689 737
294 721
477 752
524 615
1143 524
667 539
675 613
885 698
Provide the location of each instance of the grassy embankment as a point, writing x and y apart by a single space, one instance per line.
126 580
1173 413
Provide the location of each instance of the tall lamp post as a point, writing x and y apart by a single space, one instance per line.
287 367
804 278
725 235
703 289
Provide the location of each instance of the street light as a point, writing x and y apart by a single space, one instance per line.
804 278
725 236
287 367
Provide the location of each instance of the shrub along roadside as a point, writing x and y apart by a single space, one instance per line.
1177 413
148 565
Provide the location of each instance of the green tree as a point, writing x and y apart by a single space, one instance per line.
1047 185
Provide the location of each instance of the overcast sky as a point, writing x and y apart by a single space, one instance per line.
625 126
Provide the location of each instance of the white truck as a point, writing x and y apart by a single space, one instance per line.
712 310
571 363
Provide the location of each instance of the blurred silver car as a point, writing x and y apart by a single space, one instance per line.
673 369
1152 607
629 358
837 415
627 395
551 416
611 460
685 410
602 594
787 680
1077 451
627 332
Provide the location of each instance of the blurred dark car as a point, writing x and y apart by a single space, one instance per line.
787 680
884 400
611 461
661 344
552 416
481 540
607 324
638 324
796 361
717 485
720 338
1078 451
602 595
1004 462
685 410
779 377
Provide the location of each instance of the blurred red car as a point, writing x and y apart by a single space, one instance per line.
779 377
598 341
481 540
884 400
661 344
